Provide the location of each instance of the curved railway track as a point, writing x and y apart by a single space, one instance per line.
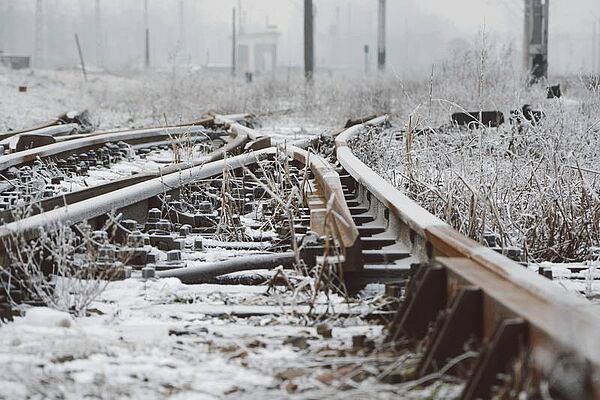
454 295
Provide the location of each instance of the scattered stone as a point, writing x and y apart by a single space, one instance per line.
299 342
290 373
324 330
291 387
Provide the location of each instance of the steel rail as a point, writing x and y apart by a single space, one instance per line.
131 201
235 145
63 146
63 119
514 312
206 272
90 142
326 201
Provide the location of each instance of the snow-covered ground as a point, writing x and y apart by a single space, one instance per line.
156 339
142 99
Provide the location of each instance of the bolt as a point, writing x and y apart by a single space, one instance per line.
185 230
129 224
392 290
148 272
135 239
163 225
154 215
107 253
174 255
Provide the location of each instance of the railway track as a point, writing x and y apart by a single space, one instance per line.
462 308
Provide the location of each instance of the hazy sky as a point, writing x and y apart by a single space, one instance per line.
419 31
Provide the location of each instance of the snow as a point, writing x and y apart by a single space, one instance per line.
141 340
47 318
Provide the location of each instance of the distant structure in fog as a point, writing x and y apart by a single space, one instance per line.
38 46
257 51
594 46
381 30
99 33
535 46
146 35
309 40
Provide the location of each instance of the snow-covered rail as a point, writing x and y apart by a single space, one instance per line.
464 296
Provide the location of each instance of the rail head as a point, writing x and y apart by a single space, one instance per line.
332 203
408 211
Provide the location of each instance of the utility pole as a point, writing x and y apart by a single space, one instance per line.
81 60
4 20
240 17
38 47
594 47
597 47
146 36
99 44
381 31
535 45
309 41
234 45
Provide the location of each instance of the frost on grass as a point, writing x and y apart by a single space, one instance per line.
534 188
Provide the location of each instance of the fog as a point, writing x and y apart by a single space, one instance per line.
198 32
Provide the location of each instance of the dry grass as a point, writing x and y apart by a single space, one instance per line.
65 268
534 188
530 187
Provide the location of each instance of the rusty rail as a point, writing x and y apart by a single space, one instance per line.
463 291
237 140
329 213
81 143
131 202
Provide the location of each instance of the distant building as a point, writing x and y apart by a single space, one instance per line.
15 61
257 52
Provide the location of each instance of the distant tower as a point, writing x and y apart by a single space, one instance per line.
146 22
38 47
4 29
240 17
381 51
309 41
146 35
233 44
535 46
99 35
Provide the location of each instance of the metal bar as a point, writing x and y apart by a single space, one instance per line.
381 36
309 45
209 271
508 289
233 45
